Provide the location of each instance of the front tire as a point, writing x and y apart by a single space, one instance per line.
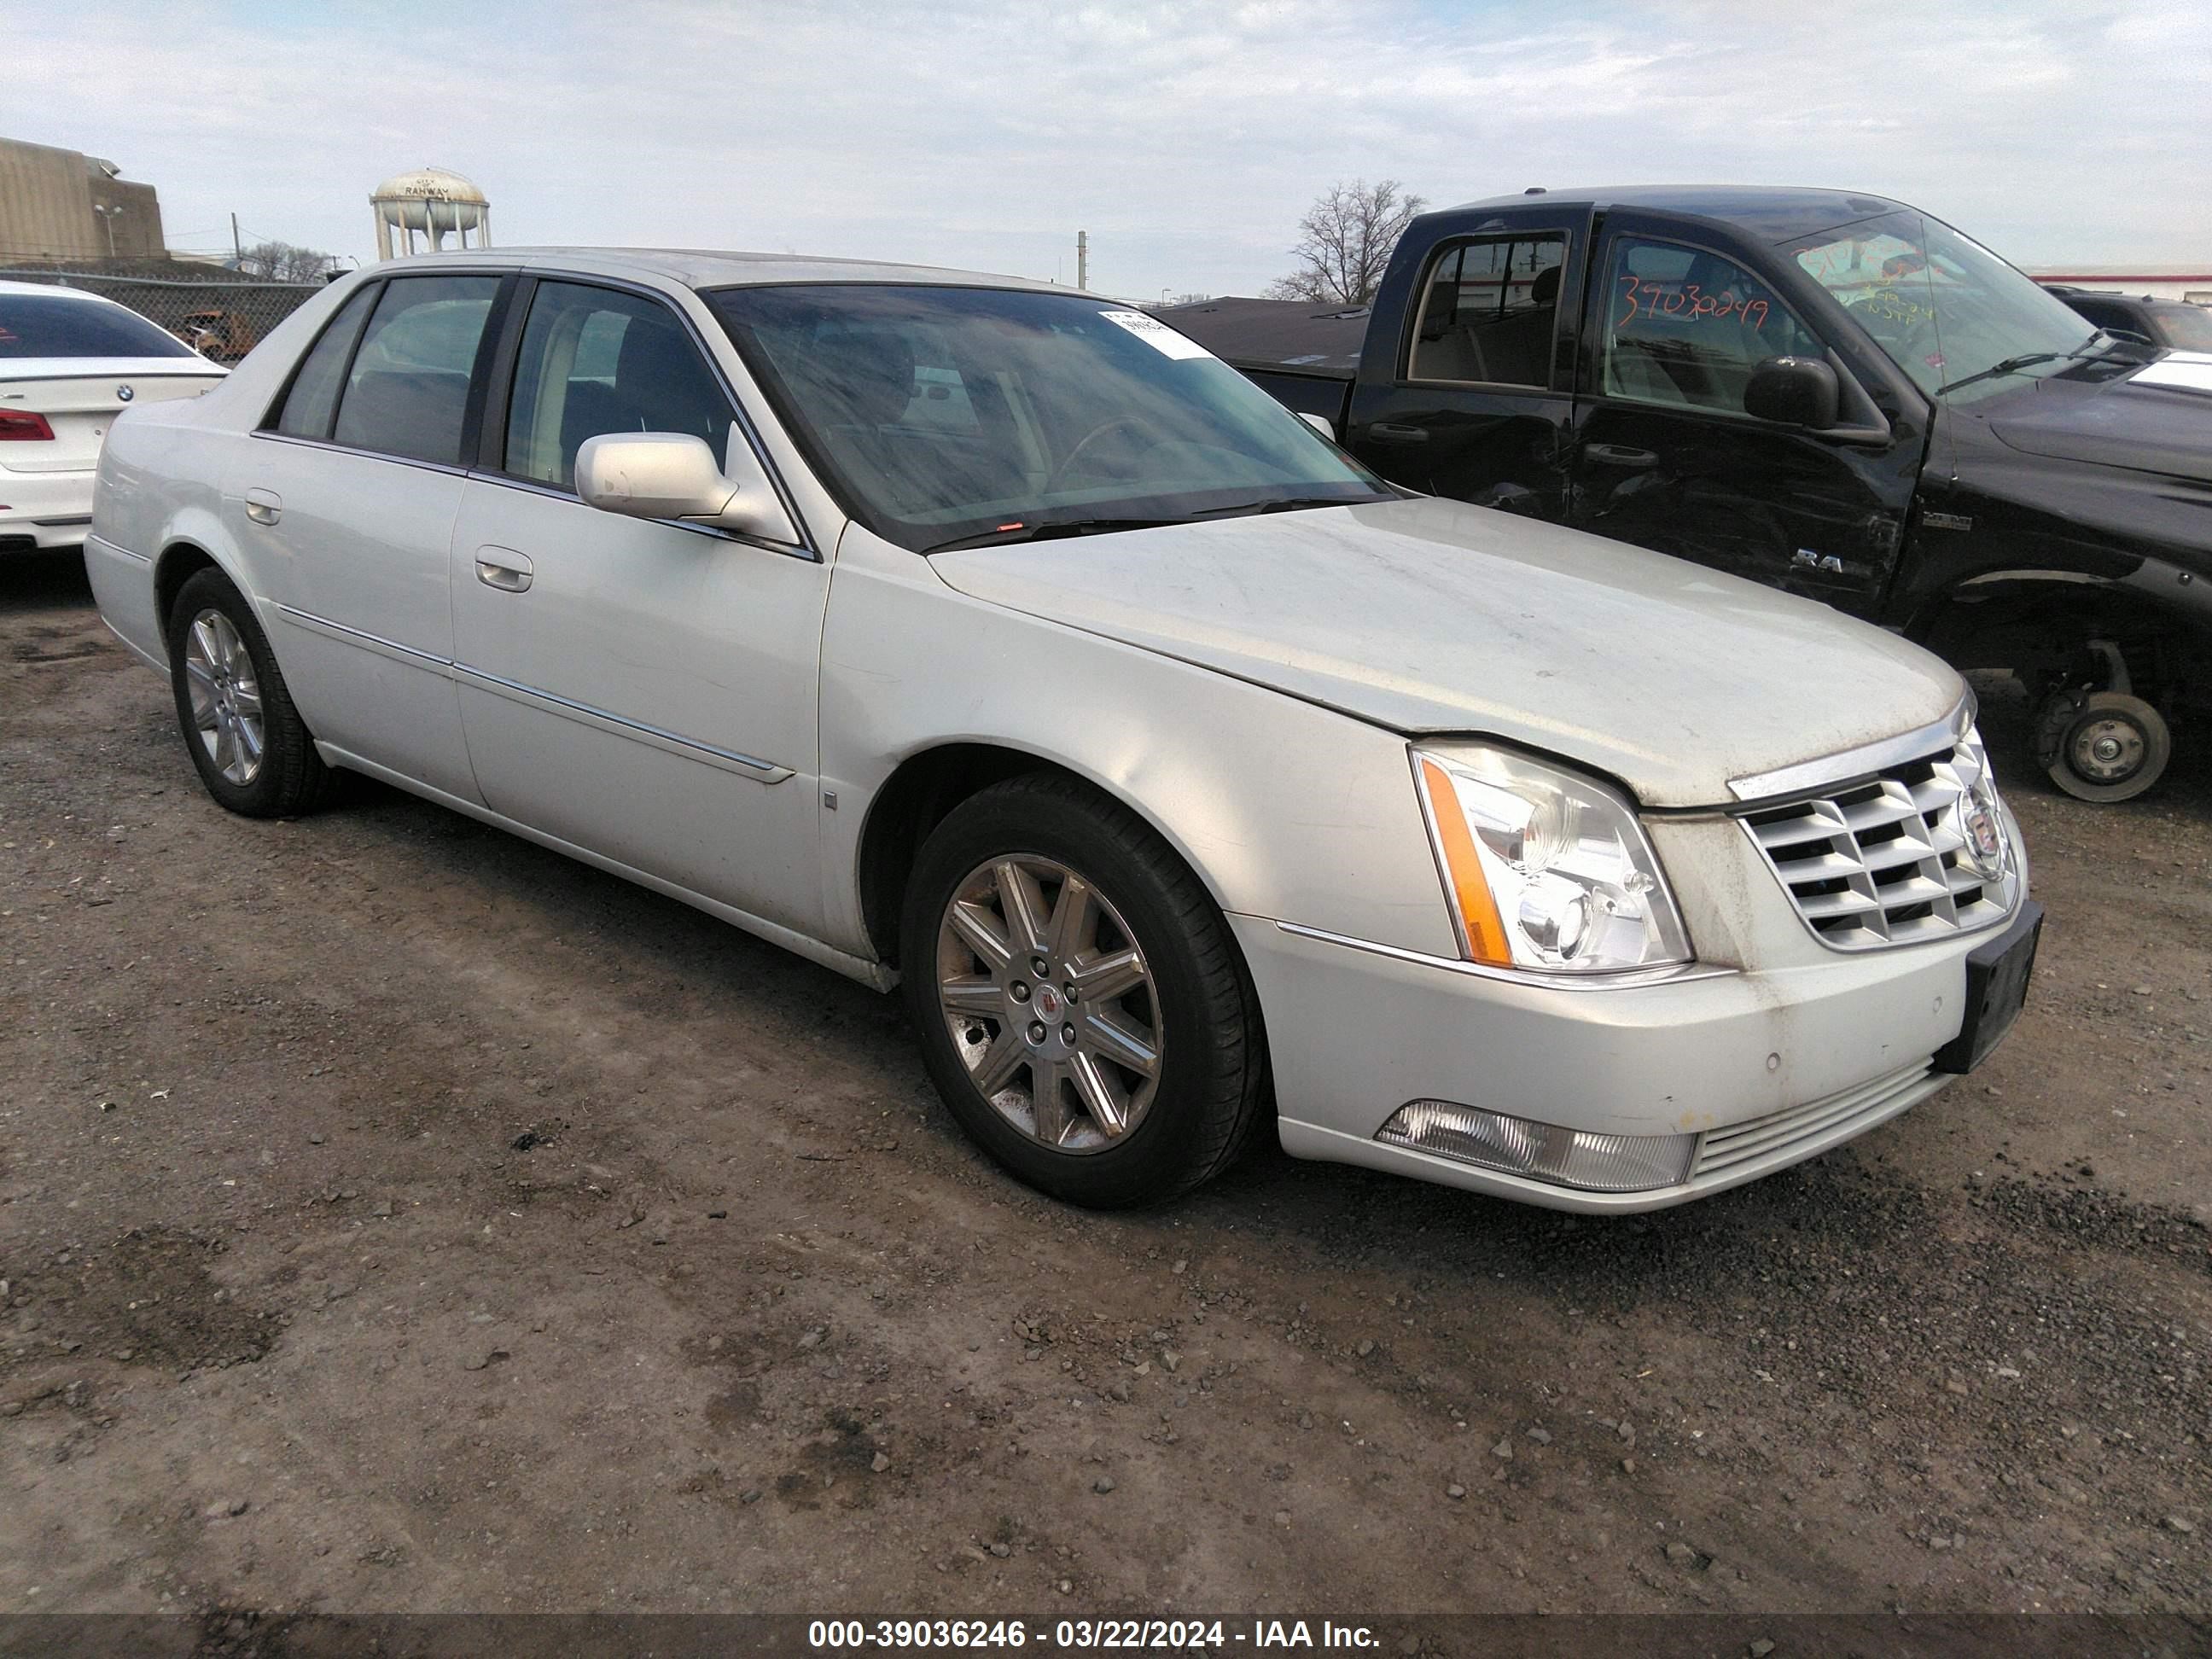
252 750
1080 1003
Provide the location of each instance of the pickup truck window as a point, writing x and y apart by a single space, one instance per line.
1488 312
1686 326
594 361
1947 310
943 415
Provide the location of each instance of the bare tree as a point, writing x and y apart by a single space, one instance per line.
1344 243
280 262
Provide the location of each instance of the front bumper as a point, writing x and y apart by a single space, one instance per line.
44 510
1767 1067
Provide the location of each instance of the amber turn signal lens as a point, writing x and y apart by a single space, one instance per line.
1483 929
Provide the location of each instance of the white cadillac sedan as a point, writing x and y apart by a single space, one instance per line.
994 641
70 364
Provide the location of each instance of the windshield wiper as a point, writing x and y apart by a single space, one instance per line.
1285 504
2009 365
1050 529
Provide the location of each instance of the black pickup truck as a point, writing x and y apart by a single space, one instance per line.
1830 393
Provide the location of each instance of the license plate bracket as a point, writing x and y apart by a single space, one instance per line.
1997 973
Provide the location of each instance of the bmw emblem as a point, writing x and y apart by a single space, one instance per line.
125 393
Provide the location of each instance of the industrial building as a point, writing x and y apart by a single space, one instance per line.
62 204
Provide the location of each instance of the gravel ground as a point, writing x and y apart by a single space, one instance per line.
395 1216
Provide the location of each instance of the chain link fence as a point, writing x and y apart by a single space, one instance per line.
221 315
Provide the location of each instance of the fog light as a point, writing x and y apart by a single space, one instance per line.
1542 1151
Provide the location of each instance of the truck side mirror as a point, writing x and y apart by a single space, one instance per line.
1794 392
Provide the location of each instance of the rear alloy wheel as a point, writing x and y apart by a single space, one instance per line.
1078 998
2106 746
252 751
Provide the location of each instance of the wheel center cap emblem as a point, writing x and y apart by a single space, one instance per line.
1048 1002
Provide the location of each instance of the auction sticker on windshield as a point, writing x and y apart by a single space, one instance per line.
1157 334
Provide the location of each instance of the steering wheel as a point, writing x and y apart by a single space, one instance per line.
1130 422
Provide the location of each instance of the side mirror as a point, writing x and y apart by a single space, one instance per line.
674 475
1322 424
2133 336
1794 392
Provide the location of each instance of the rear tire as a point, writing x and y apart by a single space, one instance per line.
1049 1070
2103 747
252 750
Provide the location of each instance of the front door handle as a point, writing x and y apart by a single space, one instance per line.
504 568
1618 455
1398 434
264 506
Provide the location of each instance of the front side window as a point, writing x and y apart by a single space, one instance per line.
1946 309
1686 327
408 392
65 325
595 361
1489 312
945 415
312 398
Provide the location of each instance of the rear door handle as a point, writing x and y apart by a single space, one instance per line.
1616 455
264 506
504 568
1398 434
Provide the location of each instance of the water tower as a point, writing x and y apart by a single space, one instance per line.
435 203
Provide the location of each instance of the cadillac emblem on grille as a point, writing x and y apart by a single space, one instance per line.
1916 852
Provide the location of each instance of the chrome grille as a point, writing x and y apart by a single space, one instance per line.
1887 860
1722 1150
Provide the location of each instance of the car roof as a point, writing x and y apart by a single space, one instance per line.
704 268
55 288
1777 211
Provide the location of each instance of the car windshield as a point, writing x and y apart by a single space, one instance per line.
2187 327
947 415
64 325
1945 309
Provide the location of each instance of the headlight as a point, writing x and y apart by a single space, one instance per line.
1547 870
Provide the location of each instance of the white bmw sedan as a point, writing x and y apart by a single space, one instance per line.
70 364
994 641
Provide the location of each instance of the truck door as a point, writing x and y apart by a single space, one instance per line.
1665 456
1467 391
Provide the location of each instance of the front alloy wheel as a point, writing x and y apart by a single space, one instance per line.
1049 1003
1078 996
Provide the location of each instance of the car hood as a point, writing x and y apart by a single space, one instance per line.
1428 616
2157 417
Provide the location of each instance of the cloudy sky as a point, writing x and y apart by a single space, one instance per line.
1186 138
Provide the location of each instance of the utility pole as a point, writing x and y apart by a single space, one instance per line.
1082 259
237 247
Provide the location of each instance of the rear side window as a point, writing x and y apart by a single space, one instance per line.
63 325
595 361
313 396
1489 312
1686 327
407 391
